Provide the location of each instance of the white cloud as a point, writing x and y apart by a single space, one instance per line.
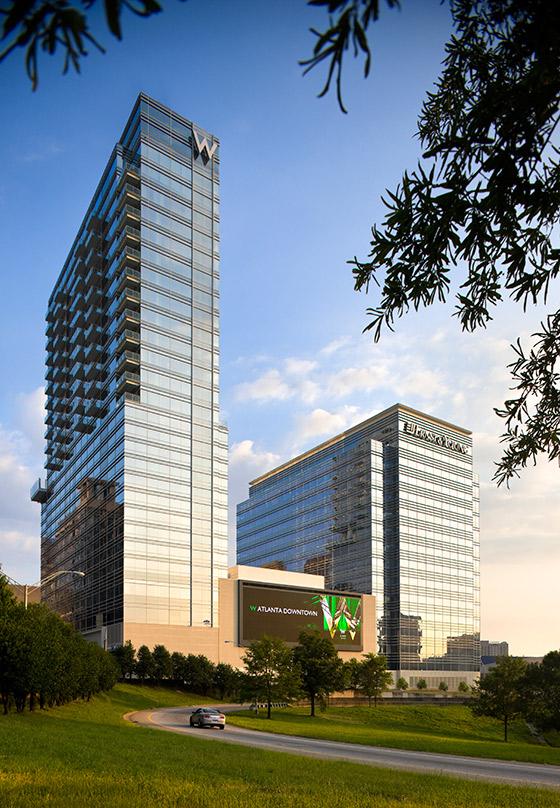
246 462
244 453
358 379
299 367
421 382
335 345
269 386
31 417
322 423
20 465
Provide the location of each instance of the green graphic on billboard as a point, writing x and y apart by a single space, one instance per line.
342 614
285 611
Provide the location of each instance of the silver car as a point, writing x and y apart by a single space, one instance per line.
207 717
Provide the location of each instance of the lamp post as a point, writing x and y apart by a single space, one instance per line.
27 588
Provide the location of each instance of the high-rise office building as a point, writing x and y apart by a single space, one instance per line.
135 494
388 508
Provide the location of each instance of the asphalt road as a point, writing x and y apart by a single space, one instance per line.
533 774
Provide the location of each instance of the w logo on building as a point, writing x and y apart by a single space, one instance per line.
203 147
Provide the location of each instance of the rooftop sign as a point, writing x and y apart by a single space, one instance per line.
433 437
203 146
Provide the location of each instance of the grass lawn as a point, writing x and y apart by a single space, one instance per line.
429 728
85 754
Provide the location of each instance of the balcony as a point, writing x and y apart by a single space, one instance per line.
128 382
128 339
77 353
130 214
53 465
93 354
127 320
92 314
95 390
127 238
127 358
77 320
94 372
96 410
39 492
85 425
128 297
93 334
129 277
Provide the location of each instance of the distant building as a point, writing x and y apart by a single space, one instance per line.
388 508
490 648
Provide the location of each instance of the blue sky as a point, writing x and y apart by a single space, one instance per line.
301 186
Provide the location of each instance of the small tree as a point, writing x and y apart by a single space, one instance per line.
421 684
402 684
443 686
352 673
542 692
178 667
144 664
271 671
463 687
198 673
124 657
374 677
163 667
322 671
226 680
500 693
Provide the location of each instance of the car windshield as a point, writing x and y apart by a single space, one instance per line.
213 712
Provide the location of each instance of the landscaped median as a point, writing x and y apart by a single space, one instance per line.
450 729
86 754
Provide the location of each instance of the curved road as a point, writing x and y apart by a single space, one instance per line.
176 719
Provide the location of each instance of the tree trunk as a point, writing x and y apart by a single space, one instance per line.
268 708
31 701
505 727
313 704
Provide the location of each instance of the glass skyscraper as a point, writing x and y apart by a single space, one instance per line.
135 494
388 508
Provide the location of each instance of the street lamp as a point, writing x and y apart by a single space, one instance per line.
27 588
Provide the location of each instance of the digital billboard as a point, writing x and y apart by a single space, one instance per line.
284 612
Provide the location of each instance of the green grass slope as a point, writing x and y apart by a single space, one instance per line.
85 754
429 728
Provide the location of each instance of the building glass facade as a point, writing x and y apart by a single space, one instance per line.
136 488
389 508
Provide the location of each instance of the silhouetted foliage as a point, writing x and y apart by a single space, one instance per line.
348 30
44 660
144 668
125 657
486 195
542 692
226 681
36 25
163 666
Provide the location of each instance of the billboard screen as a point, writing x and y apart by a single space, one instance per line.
284 612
